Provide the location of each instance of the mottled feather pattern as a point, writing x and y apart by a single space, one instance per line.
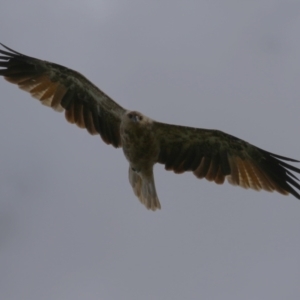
210 154
65 89
214 155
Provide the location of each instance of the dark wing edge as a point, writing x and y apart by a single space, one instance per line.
217 156
64 89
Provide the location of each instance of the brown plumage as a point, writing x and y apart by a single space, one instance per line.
209 154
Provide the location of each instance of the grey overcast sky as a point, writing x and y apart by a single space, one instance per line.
70 226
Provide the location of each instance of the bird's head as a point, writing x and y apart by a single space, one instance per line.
134 119
135 116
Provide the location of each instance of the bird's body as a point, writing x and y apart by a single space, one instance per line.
141 148
209 154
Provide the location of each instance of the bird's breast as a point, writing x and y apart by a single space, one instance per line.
139 145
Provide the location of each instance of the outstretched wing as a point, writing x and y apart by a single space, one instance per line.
215 155
65 90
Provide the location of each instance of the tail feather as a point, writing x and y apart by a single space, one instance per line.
144 189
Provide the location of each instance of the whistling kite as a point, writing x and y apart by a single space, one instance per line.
209 154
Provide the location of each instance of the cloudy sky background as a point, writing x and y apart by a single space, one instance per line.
70 226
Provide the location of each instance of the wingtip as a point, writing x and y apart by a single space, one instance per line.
11 50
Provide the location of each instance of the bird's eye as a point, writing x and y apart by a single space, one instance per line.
140 118
130 116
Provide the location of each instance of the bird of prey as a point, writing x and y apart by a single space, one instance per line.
210 154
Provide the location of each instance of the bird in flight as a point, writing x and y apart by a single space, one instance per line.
210 154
